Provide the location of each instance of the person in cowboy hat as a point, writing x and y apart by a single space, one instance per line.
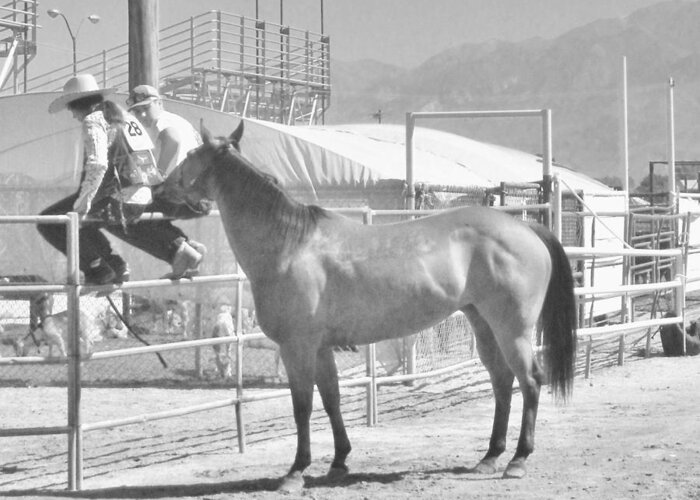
173 137
102 200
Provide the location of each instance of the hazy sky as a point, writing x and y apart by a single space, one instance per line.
402 32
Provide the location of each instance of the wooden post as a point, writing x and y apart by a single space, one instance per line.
143 43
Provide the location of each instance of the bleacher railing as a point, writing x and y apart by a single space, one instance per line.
224 61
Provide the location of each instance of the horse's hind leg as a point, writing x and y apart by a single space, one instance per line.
530 376
502 383
512 337
327 382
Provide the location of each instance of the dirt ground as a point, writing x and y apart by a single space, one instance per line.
629 432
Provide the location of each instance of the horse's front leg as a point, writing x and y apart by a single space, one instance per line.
327 382
299 361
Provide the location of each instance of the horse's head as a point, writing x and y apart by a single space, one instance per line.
187 183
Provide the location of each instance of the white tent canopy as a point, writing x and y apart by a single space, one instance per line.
357 155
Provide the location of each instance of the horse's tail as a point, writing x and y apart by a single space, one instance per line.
558 318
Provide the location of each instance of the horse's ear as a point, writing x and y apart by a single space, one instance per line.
237 134
204 132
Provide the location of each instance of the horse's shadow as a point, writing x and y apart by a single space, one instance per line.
157 490
243 486
468 473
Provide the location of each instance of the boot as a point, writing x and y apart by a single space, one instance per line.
198 246
99 273
185 262
120 267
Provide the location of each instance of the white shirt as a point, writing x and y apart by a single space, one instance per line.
185 134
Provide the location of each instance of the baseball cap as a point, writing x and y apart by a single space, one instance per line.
142 95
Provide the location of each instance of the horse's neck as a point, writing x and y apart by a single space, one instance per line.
252 231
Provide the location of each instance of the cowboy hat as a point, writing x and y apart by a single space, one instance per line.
76 88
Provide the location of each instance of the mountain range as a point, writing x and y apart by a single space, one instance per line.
577 75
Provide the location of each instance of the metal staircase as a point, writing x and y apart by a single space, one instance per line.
17 41
227 62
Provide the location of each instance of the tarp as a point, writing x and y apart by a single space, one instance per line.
359 155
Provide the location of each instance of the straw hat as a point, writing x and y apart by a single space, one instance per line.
76 88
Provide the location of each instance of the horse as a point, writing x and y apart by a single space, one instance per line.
320 280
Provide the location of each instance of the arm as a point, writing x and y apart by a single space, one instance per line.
95 164
169 142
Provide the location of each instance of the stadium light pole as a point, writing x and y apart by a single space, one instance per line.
93 18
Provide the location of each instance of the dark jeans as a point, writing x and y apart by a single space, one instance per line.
93 244
159 238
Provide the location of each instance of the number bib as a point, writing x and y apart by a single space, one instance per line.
136 137
133 159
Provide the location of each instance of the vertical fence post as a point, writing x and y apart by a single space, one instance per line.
192 46
589 351
262 69
240 426
627 278
547 159
75 452
307 60
197 334
371 359
555 207
241 41
621 350
411 192
679 303
218 51
104 69
371 372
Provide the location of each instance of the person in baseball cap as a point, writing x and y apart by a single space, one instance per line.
173 136
142 95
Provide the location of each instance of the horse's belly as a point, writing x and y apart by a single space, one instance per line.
375 317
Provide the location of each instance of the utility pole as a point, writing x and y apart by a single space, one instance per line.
143 43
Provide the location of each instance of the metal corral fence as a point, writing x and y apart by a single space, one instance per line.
445 348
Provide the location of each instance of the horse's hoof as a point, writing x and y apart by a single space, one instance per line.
486 466
291 483
515 470
337 474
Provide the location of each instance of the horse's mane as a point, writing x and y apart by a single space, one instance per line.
261 194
